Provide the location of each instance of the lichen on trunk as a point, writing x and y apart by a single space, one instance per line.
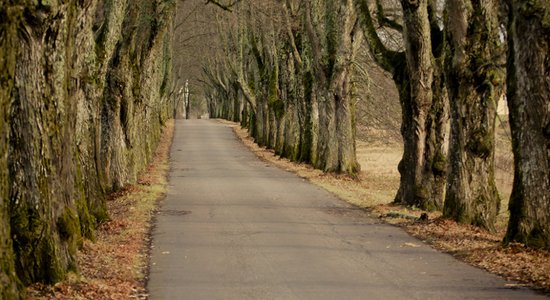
8 48
41 145
418 78
529 105
333 35
54 63
475 81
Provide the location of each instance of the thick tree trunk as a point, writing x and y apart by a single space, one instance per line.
438 120
8 49
291 142
406 164
290 96
91 64
245 116
307 114
44 222
327 148
50 169
435 154
332 83
345 125
529 105
259 133
475 84
276 107
422 105
417 183
273 129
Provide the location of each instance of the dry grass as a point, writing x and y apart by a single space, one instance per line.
115 265
377 184
504 167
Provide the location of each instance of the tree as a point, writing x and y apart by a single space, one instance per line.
475 80
62 89
8 50
528 92
333 33
418 77
44 222
294 70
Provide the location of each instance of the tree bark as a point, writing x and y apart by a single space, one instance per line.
44 222
420 63
435 172
53 77
423 121
332 83
289 87
8 50
475 85
529 106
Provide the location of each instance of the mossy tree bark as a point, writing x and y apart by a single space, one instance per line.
135 96
475 80
54 63
529 104
8 48
44 222
333 50
303 121
290 84
418 79
420 60
435 171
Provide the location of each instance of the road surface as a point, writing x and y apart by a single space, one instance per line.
235 227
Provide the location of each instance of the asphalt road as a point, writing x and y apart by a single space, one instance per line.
235 227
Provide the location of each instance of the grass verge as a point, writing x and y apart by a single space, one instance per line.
115 265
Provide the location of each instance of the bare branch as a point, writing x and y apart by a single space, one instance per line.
383 20
226 7
382 55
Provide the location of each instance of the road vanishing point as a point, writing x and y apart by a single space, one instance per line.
235 227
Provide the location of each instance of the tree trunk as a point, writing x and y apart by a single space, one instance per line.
435 153
291 143
53 62
44 223
333 54
260 136
327 148
529 105
289 86
307 112
422 111
345 124
8 50
420 64
245 116
435 172
475 85
237 103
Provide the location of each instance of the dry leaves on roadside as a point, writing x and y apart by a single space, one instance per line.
114 266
